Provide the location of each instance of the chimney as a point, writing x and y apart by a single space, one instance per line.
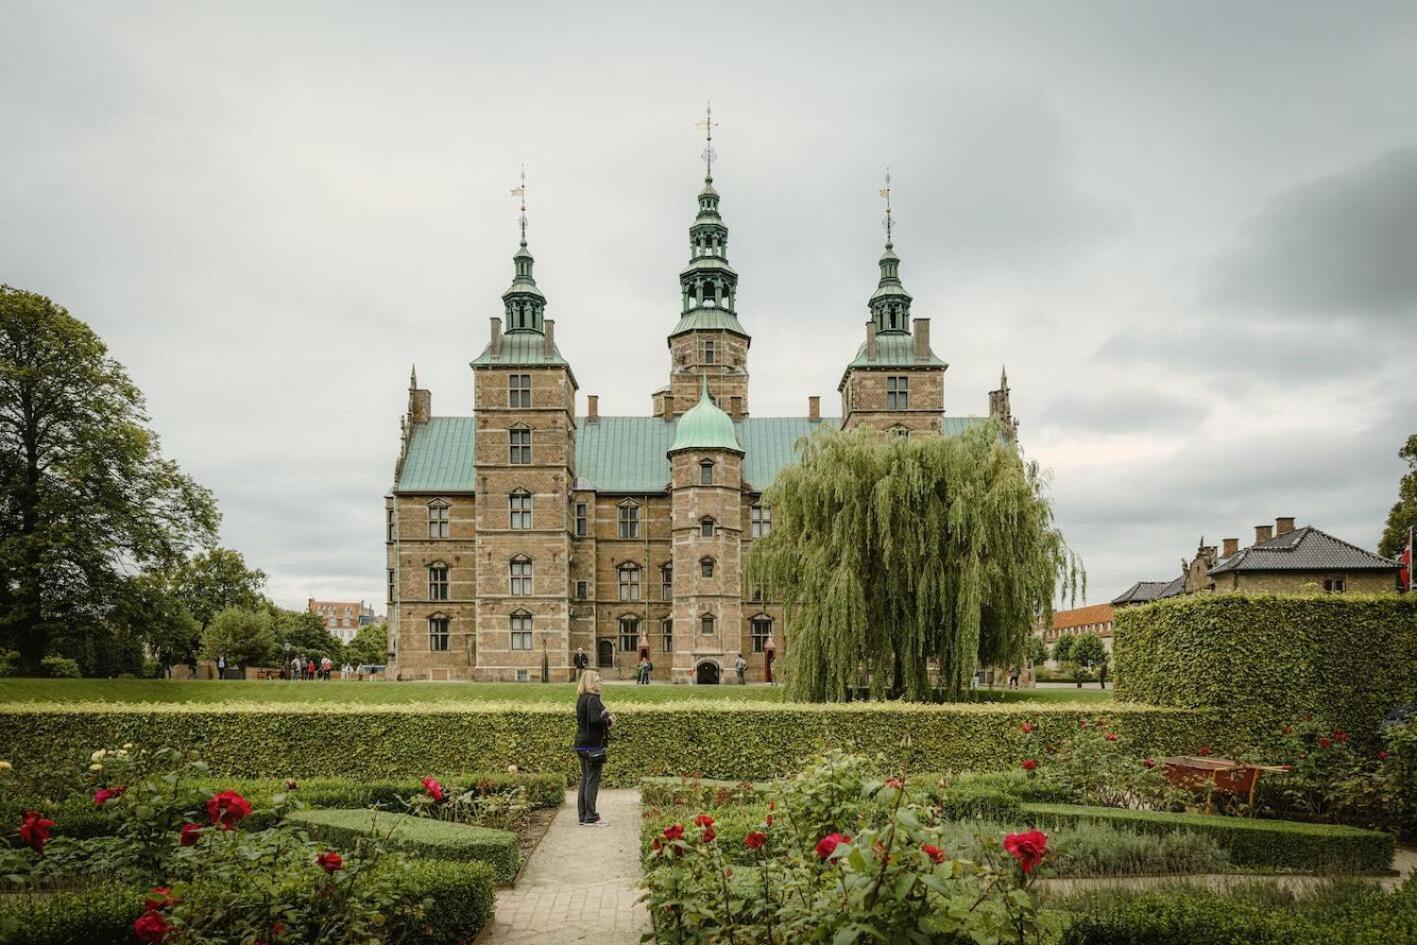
735 405
496 337
420 405
592 407
922 339
1284 525
1232 546
1263 533
814 407
548 341
669 405
871 340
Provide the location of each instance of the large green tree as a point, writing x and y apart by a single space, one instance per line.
243 637
370 645
86 496
893 555
216 579
148 611
301 633
1403 515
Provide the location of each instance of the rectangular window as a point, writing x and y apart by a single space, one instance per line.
438 636
438 582
706 567
629 583
706 473
898 393
438 520
629 634
523 675
519 510
666 635
706 623
391 585
1335 584
521 631
666 583
521 577
520 448
582 590
761 521
710 352
518 390
629 521
762 629
391 524
582 517
706 528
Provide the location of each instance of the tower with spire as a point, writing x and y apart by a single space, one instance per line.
895 382
708 340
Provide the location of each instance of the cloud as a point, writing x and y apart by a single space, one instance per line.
1122 411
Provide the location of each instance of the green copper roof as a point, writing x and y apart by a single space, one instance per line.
440 456
894 351
709 319
522 349
705 427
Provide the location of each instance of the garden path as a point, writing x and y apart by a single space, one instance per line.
579 883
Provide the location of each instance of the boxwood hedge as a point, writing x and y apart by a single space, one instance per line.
1264 660
1261 844
733 741
422 836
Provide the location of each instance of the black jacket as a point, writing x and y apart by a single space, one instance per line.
592 726
581 660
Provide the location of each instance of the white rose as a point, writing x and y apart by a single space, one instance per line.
95 767
4 766
98 755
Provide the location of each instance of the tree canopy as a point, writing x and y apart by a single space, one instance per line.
215 579
370 645
301 633
1403 515
896 556
86 496
244 637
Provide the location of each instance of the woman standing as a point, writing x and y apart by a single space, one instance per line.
593 723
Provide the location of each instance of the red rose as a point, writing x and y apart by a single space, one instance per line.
1341 737
755 840
709 835
1029 764
191 833
828 844
1149 762
1028 848
1325 741
1205 750
1382 756
102 795
160 898
935 854
1028 728
227 809
434 789
674 832
330 862
1111 736
34 830
703 820
151 927
893 783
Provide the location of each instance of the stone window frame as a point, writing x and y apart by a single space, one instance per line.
519 445
898 392
760 520
627 576
666 581
707 527
632 634
391 522
1335 583
582 526
628 519
518 390
707 566
758 639
706 472
439 584
708 624
393 585
710 351
666 634
520 626
439 633
520 575
519 509
439 518
582 590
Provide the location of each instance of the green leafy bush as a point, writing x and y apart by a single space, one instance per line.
979 802
1267 660
460 896
97 915
699 792
1265 844
60 667
435 839
750 741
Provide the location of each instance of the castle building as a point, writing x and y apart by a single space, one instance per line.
526 531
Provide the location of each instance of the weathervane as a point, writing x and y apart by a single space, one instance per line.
706 124
886 192
520 191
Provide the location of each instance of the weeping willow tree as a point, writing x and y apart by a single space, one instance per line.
893 556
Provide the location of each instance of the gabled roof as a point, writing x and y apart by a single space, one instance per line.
1304 549
1141 592
439 456
894 350
1082 616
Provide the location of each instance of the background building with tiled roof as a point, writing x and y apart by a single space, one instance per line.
342 618
1096 618
527 530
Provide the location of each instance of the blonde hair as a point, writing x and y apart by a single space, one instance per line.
590 682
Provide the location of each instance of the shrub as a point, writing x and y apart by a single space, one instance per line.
98 915
699 792
462 897
435 839
1265 844
1266 660
752 741
979 802
60 667
9 662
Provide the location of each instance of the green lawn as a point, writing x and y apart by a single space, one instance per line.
163 690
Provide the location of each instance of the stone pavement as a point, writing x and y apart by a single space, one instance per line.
579 884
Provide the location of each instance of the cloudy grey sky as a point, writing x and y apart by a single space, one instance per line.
1190 230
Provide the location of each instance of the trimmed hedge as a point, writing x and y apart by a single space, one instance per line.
1263 844
463 898
699 792
100 915
750 741
422 836
1264 660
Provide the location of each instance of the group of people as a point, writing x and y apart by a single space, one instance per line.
302 668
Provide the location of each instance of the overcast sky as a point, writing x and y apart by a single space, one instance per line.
1190 230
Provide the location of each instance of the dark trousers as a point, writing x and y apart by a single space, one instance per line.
589 789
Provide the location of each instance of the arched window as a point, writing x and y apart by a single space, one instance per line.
521 576
521 630
629 519
519 445
899 431
666 582
438 581
761 629
707 624
438 633
629 633
706 567
519 509
438 518
706 473
629 574
760 517
706 527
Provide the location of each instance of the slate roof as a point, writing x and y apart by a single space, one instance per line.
618 454
1142 592
1304 549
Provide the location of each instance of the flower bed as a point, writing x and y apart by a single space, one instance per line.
435 839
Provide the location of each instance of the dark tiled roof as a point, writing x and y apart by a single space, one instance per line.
1140 593
1304 549
1173 587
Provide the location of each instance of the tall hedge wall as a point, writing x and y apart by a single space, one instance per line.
736 741
1262 660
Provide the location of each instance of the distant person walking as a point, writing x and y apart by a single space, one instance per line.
740 666
295 667
645 668
593 722
580 661
310 669
326 665
220 666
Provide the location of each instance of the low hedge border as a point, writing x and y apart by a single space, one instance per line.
422 836
732 741
1262 844
463 898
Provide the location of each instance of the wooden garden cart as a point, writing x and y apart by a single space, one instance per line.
1217 776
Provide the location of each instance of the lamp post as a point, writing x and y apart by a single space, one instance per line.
545 659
